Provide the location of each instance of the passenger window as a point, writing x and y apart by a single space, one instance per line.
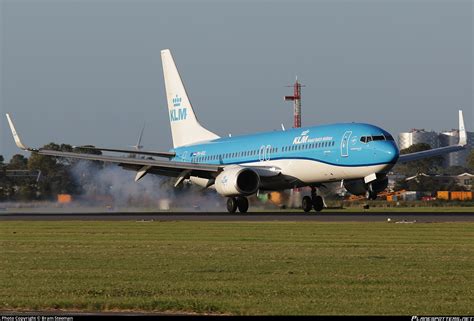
379 137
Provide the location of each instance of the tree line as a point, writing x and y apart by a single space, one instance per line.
55 175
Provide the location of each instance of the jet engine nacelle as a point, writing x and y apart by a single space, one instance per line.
238 181
359 187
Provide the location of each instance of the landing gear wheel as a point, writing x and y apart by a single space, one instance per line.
242 204
231 204
307 204
318 203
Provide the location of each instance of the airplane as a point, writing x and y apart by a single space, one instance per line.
358 155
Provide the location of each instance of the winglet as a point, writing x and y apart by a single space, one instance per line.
462 131
16 137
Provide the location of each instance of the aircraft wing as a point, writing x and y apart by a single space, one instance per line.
442 150
142 166
168 168
130 151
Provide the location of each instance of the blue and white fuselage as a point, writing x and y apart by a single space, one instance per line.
310 155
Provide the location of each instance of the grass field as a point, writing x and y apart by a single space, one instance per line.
239 268
381 209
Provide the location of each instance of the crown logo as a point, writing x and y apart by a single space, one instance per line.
177 101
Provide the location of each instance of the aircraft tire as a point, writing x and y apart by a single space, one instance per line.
231 204
318 203
242 204
307 204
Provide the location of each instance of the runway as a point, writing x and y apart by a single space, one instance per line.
400 217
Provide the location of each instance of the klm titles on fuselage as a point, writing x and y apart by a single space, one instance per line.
178 112
304 138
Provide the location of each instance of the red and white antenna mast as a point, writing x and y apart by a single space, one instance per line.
296 98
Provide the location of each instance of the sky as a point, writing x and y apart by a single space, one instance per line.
89 72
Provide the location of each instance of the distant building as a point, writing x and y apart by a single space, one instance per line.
418 136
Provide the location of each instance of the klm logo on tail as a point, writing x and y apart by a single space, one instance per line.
177 101
177 114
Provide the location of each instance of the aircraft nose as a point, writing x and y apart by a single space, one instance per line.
390 150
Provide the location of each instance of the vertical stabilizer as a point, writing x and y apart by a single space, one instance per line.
462 130
185 128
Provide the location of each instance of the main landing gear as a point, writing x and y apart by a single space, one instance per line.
239 202
315 201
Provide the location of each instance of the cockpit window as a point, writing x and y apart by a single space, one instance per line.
366 139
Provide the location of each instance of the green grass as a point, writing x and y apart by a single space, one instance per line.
378 208
239 268
424 209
